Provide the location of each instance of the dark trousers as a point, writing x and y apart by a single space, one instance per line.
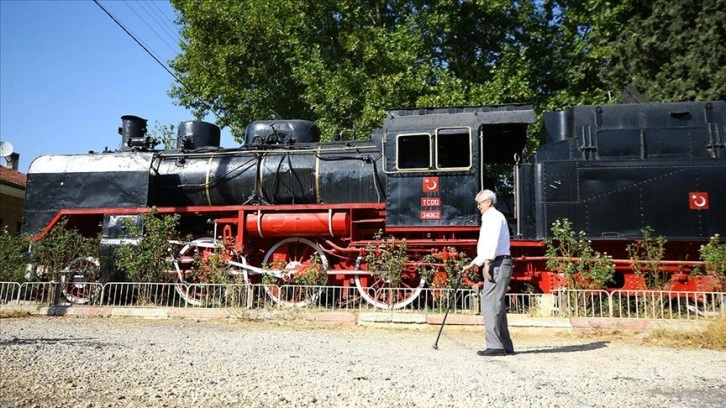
493 307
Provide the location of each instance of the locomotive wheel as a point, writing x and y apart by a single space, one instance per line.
191 289
79 280
295 257
379 293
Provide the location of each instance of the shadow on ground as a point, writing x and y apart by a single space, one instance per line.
566 349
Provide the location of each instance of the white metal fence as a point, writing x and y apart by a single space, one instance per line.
628 304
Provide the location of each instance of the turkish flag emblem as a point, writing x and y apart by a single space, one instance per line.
698 201
430 184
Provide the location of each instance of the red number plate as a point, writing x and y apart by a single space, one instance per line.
430 215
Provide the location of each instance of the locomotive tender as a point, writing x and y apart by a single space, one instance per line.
284 196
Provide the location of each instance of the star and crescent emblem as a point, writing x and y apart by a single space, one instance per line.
698 201
430 184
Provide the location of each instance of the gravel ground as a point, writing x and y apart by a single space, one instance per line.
96 362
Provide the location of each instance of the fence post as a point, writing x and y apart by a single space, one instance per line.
610 305
55 299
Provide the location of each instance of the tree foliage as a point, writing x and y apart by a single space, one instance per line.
672 51
342 63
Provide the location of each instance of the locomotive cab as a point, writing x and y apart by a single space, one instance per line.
436 160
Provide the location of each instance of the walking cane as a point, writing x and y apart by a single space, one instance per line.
448 306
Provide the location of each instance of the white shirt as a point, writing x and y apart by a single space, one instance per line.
493 237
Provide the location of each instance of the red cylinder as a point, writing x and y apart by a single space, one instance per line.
297 224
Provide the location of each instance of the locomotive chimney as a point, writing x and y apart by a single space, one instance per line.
133 132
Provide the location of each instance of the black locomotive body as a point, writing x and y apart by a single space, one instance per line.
612 170
420 158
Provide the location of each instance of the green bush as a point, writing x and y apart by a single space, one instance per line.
388 259
572 255
450 261
59 247
645 258
313 273
211 266
12 263
148 260
713 255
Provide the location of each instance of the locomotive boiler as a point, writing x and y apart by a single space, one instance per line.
284 197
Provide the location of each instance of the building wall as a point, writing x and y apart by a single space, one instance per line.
11 208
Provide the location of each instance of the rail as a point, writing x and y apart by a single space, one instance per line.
624 304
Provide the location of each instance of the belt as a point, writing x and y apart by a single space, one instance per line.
502 257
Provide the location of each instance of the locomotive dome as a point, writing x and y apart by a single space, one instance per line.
281 132
196 134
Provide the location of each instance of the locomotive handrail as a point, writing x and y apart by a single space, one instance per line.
270 148
517 195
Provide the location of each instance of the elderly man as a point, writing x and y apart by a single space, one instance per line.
493 255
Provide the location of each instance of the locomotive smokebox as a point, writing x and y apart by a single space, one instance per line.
196 134
133 132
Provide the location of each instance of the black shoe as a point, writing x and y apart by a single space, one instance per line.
491 352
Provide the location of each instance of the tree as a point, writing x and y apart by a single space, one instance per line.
342 63
672 50
236 60
578 41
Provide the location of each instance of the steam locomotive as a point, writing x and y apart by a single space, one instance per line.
284 198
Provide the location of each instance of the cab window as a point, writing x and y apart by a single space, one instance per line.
452 150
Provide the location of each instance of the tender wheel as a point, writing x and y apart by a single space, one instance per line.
379 293
297 262
79 280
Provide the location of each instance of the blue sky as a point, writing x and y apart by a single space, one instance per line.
68 73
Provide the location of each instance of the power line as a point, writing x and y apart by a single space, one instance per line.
158 24
108 13
166 68
167 25
161 13
149 26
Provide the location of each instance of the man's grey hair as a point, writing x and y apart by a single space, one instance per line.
486 195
